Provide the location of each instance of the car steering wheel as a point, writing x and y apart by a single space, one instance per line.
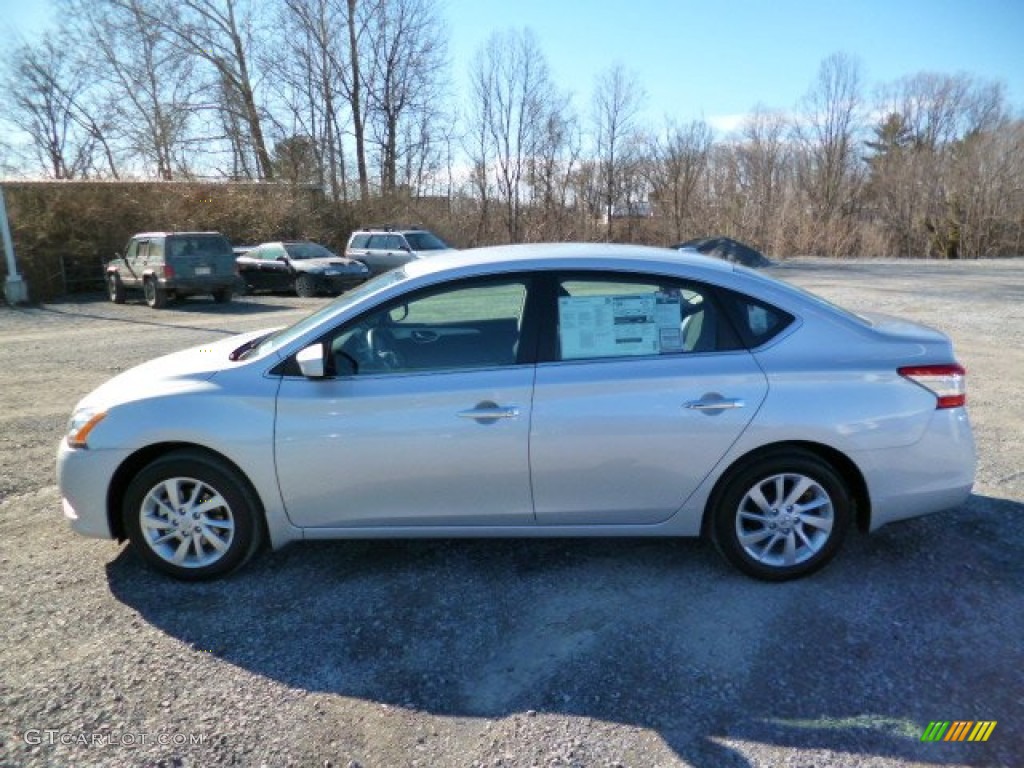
381 344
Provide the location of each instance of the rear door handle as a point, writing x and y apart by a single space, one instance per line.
712 404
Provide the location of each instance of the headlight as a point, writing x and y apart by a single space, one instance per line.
81 424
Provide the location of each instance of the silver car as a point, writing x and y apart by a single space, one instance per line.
384 249
543 390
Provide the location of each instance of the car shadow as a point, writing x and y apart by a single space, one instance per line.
82 309
913 624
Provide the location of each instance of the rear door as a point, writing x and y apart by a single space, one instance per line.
645 390
386 251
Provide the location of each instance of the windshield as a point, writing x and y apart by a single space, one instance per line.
425 241
285 336
307 251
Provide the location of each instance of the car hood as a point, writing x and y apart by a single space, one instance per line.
319 265
437 252
182 371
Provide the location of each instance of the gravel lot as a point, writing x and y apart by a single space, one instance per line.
511 653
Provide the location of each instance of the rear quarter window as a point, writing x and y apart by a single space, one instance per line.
756 322
359 241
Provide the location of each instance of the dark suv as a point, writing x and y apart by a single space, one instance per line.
384 248
166 265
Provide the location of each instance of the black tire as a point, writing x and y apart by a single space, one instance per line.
156 296
305 286
222 295
792 510
233 520
115 288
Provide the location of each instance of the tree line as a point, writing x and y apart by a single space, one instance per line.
356 98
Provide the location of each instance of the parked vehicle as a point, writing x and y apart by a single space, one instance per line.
544 390
382 249
170 265
306 268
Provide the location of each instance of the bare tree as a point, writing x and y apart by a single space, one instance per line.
403 55
763 160
829 166
938 109
677 162
45 90
309 77
354 88
479 148
924 185
219 33
147 81
516 104
617 100
550 169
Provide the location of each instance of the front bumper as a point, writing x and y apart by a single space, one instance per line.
83 477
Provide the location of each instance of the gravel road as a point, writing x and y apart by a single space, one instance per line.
511 653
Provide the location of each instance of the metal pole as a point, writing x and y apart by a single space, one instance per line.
15 289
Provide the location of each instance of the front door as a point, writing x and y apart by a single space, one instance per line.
431 428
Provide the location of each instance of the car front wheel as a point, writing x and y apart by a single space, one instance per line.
191 516
782 516
305 286
115 288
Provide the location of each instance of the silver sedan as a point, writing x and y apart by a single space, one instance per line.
543 390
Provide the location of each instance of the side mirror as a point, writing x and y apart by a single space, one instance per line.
311 361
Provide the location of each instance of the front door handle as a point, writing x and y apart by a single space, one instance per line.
489 412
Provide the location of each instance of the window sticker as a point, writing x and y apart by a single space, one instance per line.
619 326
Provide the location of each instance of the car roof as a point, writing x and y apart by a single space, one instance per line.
608 256
389 230
169 234
613 257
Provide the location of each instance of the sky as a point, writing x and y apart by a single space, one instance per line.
702 59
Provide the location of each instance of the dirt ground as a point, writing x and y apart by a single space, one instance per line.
512 653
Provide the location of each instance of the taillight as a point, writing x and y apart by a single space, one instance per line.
168 270
947 382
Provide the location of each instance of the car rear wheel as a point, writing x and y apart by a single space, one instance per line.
191 516
782 516
156 296
115 288
305 286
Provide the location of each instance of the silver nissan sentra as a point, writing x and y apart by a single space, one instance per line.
539 390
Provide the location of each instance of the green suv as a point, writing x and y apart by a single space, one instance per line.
168 265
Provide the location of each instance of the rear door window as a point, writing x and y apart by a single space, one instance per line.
610 318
